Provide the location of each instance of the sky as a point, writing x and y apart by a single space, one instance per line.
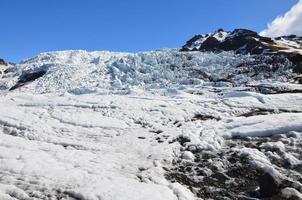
29 27
288 23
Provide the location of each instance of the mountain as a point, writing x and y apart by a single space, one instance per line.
243 41
219 118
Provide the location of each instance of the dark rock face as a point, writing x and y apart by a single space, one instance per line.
27 77
243 41
2 62
210 44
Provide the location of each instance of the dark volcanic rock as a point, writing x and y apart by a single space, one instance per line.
269 184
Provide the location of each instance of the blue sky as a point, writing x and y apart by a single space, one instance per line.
29 27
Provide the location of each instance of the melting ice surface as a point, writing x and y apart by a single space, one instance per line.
101 125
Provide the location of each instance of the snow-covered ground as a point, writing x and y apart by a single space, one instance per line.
103 126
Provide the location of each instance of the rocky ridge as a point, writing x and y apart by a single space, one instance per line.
243 41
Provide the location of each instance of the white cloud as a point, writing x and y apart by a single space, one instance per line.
289 23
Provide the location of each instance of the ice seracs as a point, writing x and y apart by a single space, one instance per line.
164 70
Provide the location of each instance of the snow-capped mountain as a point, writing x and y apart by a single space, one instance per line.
219 118
245 41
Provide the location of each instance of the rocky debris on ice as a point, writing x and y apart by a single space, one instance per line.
245 168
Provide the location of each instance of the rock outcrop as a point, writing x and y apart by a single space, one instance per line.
2 62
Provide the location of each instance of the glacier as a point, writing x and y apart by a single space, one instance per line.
80 71
108 125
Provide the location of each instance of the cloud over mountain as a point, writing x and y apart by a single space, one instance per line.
289 23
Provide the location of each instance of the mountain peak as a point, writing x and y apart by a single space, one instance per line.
244 41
